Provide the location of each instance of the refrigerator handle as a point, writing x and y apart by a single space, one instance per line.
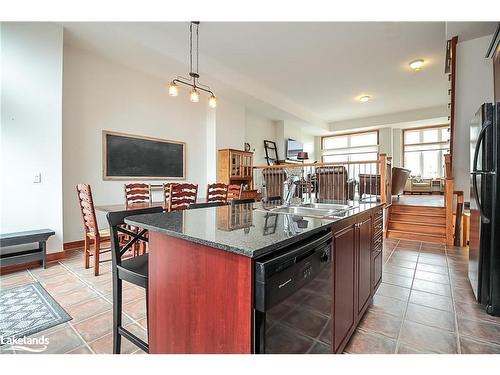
480 138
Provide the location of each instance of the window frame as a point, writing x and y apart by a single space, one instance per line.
349 134
403 151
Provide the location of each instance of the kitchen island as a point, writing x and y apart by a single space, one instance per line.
202 276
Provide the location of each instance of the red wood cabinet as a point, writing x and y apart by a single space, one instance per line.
364 252
377 238
200 298
344 263
357 271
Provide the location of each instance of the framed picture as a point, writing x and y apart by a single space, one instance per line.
134 157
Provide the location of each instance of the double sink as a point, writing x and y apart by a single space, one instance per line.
318 210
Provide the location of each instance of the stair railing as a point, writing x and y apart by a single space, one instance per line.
453 224
365 181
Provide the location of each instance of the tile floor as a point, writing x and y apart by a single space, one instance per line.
88 299
424 305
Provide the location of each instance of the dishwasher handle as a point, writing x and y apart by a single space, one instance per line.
264 269
294 270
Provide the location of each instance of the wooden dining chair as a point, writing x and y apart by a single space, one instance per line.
90 229
217 192
181 196
137 193
234 191
166 194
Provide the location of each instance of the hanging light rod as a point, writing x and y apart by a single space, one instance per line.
193 81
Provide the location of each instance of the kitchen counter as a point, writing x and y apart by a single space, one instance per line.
201 272
245 229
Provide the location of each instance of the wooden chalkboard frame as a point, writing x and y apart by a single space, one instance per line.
105 176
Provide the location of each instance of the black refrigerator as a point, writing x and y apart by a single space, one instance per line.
484 241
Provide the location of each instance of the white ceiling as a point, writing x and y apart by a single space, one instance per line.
310 71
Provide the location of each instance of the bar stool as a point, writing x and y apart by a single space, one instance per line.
133 270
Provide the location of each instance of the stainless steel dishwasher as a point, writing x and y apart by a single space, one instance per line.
293 298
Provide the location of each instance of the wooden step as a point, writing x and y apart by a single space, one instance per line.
417 227
402 235
399 208
417 218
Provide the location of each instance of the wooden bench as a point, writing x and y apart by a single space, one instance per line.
8 258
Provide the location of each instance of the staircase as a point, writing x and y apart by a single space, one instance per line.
419 223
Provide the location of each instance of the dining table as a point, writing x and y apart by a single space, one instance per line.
136 206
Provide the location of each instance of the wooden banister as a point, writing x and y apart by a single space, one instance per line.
448 204
382 166
447 166
458 216
300 165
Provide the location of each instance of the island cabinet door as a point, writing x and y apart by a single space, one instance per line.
200 298
344 266
364 250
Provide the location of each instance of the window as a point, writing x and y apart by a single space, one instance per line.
424 150
350 147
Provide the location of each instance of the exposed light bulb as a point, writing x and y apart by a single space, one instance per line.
212 101
417 64
194 96
173 89
364 98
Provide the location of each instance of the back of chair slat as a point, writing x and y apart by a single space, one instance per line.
181 196
86 204
216 193
233 192
166 193
117 226
137 193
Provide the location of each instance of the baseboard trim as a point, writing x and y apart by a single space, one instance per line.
73 245
51 258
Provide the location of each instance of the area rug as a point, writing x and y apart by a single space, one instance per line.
26 310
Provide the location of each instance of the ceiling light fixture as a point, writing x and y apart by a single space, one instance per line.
364 98
416 65
193 81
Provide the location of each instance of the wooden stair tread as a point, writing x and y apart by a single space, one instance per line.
419 209
401 235
423 234
419 213
417 223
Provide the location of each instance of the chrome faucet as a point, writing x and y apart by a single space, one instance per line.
289 187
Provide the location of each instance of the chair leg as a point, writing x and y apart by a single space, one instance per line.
117 314
97 250
86 252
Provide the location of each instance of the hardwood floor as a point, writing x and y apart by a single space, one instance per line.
419 200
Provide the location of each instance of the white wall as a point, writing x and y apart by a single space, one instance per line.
230 121
102 95
397 147
474 87
294 130
385 141
257 129
31 141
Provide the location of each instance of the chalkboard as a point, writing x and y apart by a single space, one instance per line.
127 156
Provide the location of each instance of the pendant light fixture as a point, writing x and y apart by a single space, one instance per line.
193 81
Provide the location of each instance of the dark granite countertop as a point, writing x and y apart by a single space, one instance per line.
245 229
